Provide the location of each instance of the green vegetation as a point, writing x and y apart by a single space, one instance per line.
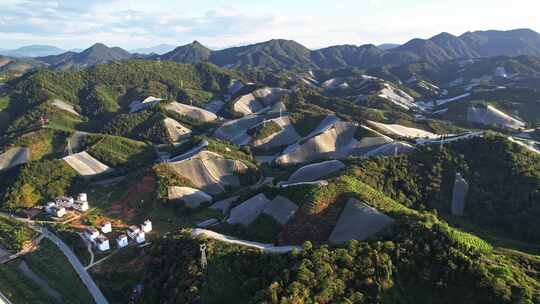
44 143
118 275
166 177
227 149
144 125
504 180
31 120
51 264
117 151
20 289
14 235
36 182
264 130
416 257
264 229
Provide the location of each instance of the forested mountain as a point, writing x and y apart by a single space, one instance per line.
271 54
33 51
287 158
289 54
98 53
279 53
190 53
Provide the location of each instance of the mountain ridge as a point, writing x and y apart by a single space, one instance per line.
282 53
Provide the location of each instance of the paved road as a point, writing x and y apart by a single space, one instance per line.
268 248
3 299
79 268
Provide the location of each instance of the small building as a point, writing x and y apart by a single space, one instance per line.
81 206
140 237
102 243
91 234
106 227
82 197
58 211
122 241
133 231
146 226
49 206
65 201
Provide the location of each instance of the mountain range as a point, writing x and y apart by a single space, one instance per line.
33 51
279 53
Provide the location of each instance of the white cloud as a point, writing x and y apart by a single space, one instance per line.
128 23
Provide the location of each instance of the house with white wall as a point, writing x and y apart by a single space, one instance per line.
91 234
140 237
146 226
122 241
102 243
133 231
106 227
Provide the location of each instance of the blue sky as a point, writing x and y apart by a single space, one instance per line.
219 23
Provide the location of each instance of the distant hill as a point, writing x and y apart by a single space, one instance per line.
279 53
388 46
157 49
32 51
286 54
190 53
98 53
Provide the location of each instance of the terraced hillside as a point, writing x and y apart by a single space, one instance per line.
305 186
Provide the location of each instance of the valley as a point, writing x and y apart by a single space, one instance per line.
271 173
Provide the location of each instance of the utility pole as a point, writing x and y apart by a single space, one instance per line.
70 151
204 261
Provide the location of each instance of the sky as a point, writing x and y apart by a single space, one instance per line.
223 23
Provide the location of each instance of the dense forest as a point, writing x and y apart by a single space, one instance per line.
504 182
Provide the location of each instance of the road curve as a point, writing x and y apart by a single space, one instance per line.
268 248
3 299
99 298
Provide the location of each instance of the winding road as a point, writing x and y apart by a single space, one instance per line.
267 248
3 299
87 280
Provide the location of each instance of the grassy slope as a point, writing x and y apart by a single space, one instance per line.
49 263
19 289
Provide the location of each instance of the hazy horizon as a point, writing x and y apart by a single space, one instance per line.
220 24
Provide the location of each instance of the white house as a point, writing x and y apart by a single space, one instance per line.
146 226
49 206
122 241
91 233
102 243
82 197
133 231
106 227
140 237
81 205
58 211
64 201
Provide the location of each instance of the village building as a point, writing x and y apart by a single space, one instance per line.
91 234
140 237
133 231
64 201
122 241
81 206
58 211
106 227
82 197
102 243
49 206
146 226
